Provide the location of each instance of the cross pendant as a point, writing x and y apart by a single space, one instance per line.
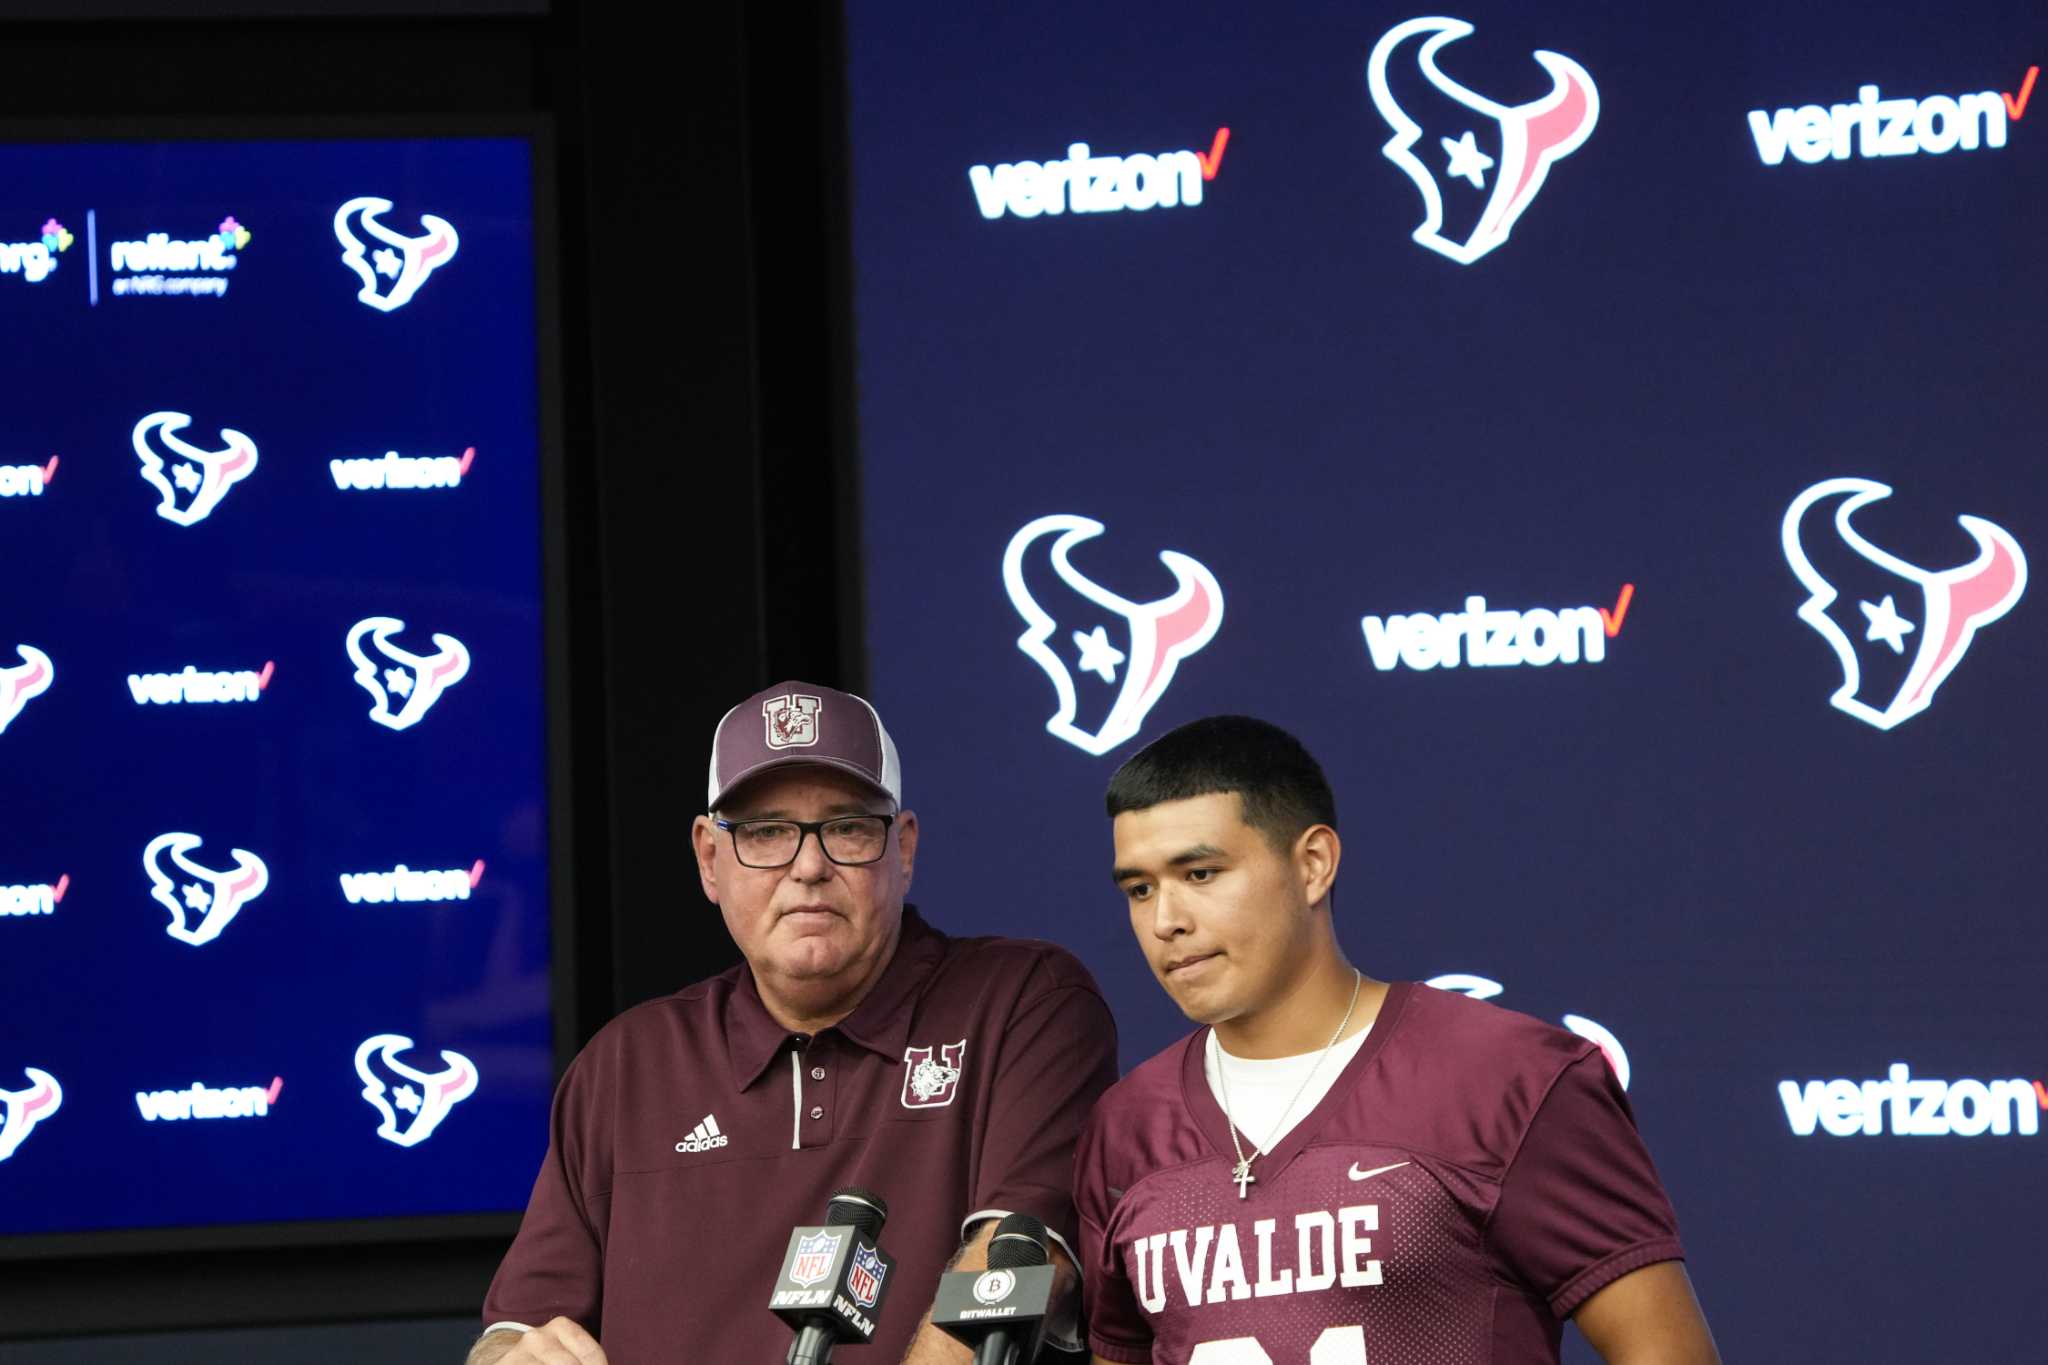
1243 1176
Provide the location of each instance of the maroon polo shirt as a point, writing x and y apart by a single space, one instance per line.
694 1131
1471 1179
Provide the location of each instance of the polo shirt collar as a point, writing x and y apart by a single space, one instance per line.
880 1023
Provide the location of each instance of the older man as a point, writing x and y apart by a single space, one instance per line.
856 1045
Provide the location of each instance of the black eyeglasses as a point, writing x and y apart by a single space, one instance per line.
849 840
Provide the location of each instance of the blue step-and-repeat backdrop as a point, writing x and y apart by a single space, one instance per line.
1611 437
274 869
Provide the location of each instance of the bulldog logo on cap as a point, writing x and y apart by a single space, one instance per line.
791 720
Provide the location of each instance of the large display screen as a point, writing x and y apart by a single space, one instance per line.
274 882
1609 436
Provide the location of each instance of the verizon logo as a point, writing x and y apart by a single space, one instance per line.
34 898
1490 637
1876 127
403 883
208 1102
394 471
1086 183
26 480
200 685
1911 1106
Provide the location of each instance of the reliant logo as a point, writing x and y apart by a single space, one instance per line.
23 682
200 685
1884 682
423 1097
1876 127
1151 638
198 1101
202 901
1484 637
1908 1106
190 482
1087 183
391 265
26 480
1463 215
403 883
36 898
22 1110
386 670
394 470
1484 988
36 261
162 265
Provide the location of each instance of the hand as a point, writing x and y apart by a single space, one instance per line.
560 1342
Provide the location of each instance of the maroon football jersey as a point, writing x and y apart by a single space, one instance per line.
1472 1178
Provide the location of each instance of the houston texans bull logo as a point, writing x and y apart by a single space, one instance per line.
202 901
391 257
190 482
1466 215
23 682
1154 636
1910 626
385 670
22 1110
425 1097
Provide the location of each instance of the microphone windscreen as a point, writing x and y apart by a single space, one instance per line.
1019 1241
862 1209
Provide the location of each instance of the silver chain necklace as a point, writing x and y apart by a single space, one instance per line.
1242 1172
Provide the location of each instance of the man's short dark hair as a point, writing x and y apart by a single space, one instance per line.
1278 780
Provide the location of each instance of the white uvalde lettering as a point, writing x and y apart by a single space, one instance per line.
1229 1267
1355 1269
1331 1250
1151 1258
1191 1270
1307 1281
1268 1285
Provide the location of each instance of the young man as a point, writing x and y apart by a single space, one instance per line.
1336 1169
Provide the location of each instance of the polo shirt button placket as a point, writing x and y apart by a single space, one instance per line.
817 1097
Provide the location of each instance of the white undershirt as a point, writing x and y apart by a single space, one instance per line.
1260 1088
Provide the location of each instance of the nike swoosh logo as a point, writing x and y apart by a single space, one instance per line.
1357 1174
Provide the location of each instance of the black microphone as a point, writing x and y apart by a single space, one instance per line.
833 1278
1000 1312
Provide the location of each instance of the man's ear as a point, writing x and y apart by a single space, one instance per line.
906 843
704 842
1317 851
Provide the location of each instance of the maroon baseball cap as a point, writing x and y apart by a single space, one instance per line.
799 722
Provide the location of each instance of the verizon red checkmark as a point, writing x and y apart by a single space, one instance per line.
1612 620
2017 107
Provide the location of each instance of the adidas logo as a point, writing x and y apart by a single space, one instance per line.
704 1137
